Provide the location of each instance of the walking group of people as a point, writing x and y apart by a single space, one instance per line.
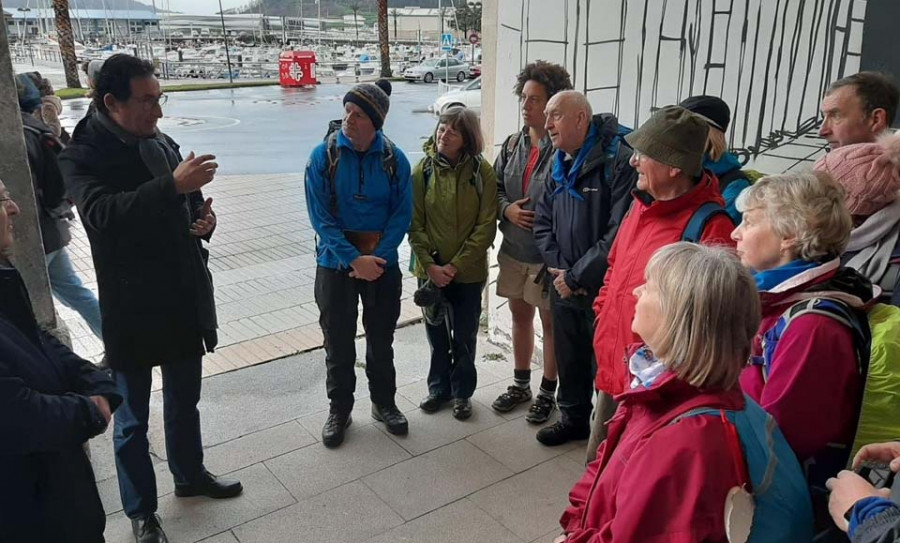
706 327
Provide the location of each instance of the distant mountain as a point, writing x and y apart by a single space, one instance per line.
83 4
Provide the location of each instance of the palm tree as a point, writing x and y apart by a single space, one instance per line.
66 43
355 7
383 38
395 13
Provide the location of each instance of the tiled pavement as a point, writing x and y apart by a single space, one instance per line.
263 265
448 481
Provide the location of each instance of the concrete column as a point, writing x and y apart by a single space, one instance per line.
28 253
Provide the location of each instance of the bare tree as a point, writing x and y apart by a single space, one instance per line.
383 40
66 43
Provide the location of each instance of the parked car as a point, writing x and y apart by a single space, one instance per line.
468 95
474 71
445 69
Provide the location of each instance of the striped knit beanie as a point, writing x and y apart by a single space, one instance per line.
373 99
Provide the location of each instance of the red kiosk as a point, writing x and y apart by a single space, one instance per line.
297 68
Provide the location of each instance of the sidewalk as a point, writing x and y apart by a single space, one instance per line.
262 258
448 481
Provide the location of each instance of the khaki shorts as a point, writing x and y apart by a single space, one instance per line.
516 282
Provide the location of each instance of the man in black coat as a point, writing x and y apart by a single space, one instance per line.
145 217
51 403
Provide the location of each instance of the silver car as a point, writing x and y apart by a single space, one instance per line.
445 69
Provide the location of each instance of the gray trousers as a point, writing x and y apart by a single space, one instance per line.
604 408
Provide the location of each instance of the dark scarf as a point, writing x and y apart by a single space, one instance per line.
161 159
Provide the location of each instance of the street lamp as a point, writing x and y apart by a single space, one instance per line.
25 38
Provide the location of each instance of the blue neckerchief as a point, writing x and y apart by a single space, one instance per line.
725 164
769 279
565 181
645 367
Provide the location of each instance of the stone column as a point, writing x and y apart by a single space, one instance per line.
28 253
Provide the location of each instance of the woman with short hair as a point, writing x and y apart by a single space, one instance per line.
663 474
453 225
806 374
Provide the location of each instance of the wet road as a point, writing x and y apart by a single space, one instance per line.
273 130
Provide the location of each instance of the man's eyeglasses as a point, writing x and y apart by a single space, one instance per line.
149 102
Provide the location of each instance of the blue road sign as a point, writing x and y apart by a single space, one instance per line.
446 42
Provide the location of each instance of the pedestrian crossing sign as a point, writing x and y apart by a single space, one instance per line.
446 42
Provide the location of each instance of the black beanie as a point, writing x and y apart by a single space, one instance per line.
373 99
713 109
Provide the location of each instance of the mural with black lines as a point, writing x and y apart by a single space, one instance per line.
771 60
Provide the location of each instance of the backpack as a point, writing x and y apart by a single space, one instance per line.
877 340
693 231
782 510
333 154
477 182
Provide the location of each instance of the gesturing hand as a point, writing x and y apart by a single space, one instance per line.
194 172
206 221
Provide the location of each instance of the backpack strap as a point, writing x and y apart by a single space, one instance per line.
333 153
731 435
827 307
693 232
389 160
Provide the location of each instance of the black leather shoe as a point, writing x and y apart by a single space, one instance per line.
462 408
392 418
333 431
562 432
210 486
148 530
433 403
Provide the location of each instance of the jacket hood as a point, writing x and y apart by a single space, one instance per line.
430 149
728 162
828 280
31 121
607 128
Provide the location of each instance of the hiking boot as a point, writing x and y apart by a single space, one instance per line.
562 432
511 398
392 418
335 426
462 408
433 403
541 409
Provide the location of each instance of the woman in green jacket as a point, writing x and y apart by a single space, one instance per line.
453 225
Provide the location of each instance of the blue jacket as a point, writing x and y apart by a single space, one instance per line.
366 201
727 164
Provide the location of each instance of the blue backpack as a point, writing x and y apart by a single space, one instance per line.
783 510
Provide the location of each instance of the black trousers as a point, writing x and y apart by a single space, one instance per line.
337 295
452 371
573 334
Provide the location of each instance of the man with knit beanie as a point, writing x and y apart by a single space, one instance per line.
870 176
671 187
359 198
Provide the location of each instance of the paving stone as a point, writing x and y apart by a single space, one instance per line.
224 537
514 445
257 447
193 519
109 489
316 469
458 522
531 503
348 514
428 482
430 431
548 537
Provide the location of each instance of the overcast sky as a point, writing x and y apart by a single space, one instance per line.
198 7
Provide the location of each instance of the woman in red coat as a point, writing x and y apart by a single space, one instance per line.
656 479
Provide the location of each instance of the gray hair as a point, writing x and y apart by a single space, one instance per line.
808 206
703 339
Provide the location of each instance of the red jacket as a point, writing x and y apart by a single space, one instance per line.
649 225
654 482
813 388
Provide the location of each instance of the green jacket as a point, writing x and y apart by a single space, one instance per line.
452 218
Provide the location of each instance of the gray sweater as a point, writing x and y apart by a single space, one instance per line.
510 165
